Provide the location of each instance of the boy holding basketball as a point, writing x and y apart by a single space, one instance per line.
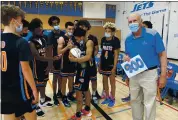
83 73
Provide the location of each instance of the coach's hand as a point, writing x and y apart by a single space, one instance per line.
126 58
162 81
127 81
36 97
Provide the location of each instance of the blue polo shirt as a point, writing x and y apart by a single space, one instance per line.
148 46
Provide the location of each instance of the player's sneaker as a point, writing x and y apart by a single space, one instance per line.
45 104
86 113
39 112
111 103
66 102
56 102
106 101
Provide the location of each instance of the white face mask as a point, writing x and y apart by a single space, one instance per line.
107 35
69 33
56 27
18 29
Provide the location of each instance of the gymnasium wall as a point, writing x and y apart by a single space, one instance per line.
69 11
163 15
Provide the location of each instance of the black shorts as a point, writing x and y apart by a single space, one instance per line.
57 66
82 80
41 80
68 70
18 108
106 69
93 73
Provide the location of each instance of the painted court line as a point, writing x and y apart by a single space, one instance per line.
61 107
116 112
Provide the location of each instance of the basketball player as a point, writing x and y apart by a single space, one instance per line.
83 75
15 69
38 45
55 66
65 43
75 23
110 46
85 25
25 30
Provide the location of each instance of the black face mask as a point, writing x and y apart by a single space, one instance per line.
24 34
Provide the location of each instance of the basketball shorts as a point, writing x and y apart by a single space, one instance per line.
93 73
106 69
68 70
82 80
19 108
41 79
57 67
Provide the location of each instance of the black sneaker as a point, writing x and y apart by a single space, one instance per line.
56 102
47 98
22 118
39 112
45 104
70 97
59 94
66 102
97 95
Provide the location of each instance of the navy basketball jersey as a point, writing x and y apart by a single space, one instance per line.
14 50
39 66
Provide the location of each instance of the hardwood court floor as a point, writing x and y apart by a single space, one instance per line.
121 111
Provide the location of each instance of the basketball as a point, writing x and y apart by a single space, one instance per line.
75 52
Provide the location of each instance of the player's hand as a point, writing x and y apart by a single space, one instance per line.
127 81
50 68
57 57
69 45
126 58
36 97
72 58
162 81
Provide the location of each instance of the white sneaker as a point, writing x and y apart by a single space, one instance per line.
45 104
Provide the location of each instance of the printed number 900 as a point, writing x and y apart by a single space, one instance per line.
134 65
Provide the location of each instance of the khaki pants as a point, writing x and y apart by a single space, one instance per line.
143 90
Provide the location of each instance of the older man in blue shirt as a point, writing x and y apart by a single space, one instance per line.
143 87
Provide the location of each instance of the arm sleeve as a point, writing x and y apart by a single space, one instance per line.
116 43
49 39
24 51
102 43
159 43
95 41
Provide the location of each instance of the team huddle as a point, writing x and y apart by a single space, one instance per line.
26 65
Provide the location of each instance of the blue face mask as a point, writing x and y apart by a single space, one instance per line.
56 27
107 35
134 27
69 33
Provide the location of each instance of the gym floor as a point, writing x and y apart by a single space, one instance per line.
121 111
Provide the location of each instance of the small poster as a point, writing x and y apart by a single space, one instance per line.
135 66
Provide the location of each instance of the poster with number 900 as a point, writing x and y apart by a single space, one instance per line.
134 66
